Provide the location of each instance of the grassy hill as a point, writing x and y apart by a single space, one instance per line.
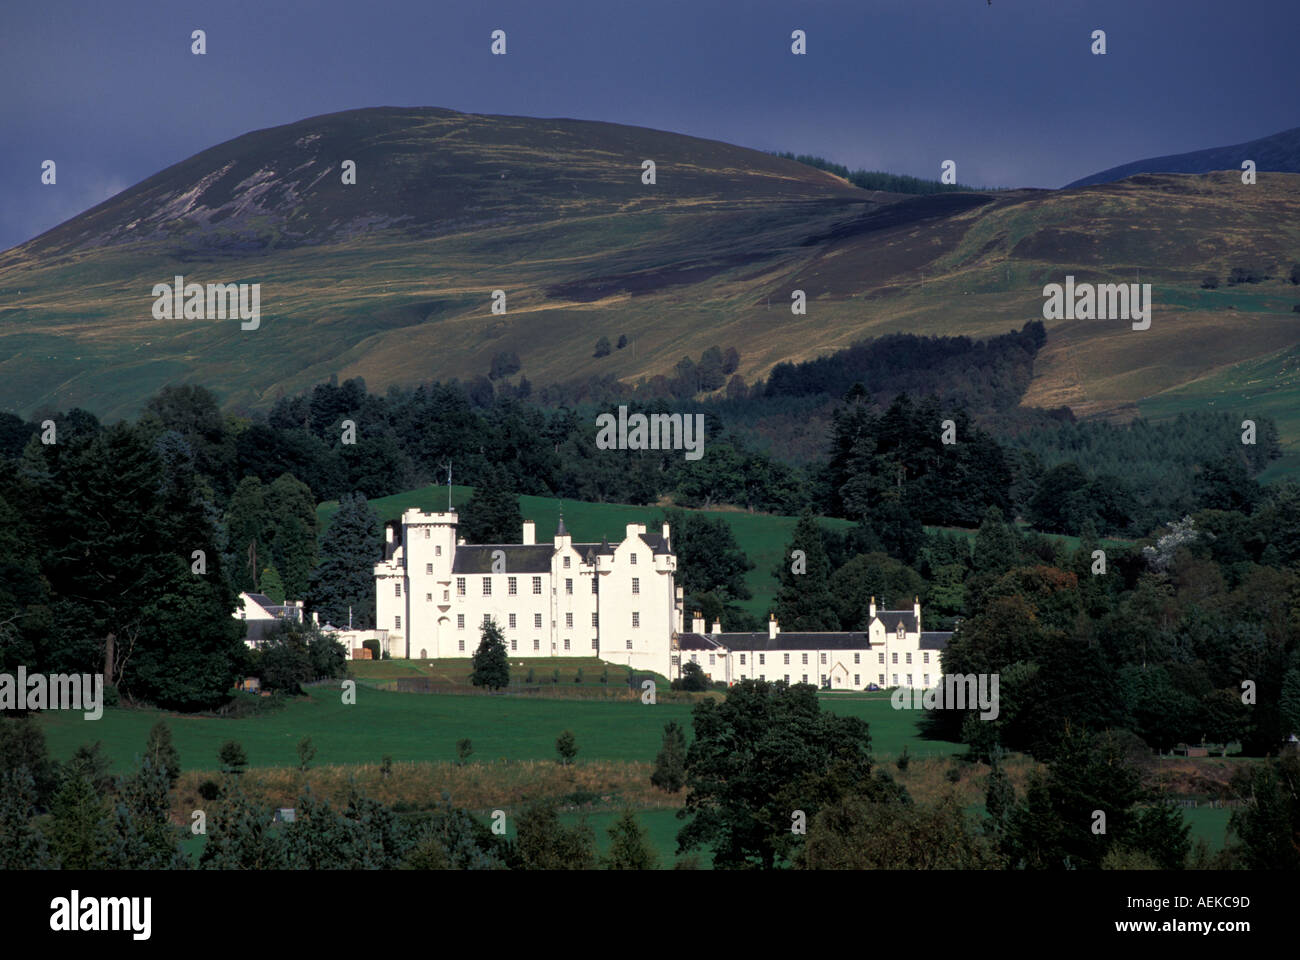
391 279
763 536
1279 152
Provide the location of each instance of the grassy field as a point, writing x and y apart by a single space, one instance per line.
425 727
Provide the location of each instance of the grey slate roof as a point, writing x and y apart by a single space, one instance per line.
697 641
935 639
891 619
849 640
520 558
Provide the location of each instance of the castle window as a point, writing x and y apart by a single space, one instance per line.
925 657
568 621
909 679
901 633
428 598
460 621
629 644
487 619
566 563
882 679
397 589
460 586
632 560
428 568
787 659
895 679
537 644
399 622
894 657
823 658
927 679
636 619
426 533
537 621
566 643
512 621
805 659
595 644
514 644
805 678
568 586
595 619
446 594
857 658
787 678
537 585
595 581
462 644
512 585
762 659
437 550
909 658
636 584
742 659
487 586
695 658
711 659
857 680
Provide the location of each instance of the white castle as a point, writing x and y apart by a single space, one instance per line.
617 602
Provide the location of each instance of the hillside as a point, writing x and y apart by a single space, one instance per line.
391 280
1278 153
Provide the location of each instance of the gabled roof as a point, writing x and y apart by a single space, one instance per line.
892 618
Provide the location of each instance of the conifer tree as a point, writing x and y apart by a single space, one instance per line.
629 848
804 601
79 836
346 574
162 752
670 764
492 515
491 664
22 845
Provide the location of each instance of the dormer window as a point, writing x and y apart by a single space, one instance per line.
901 633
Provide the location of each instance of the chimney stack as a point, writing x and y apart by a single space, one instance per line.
871 612
697 623
773 628
530 533
717 626
916 609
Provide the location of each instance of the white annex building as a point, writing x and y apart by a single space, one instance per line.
434 592
892 652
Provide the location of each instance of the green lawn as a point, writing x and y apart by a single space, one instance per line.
425 727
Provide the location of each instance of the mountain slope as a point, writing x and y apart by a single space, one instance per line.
392 279
1279 153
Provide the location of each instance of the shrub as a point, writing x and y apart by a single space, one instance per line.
464 748
903 760
209 790
567 747
602 347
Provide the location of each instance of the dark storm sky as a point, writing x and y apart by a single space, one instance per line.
1010 91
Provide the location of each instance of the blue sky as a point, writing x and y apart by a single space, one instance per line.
1010 91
